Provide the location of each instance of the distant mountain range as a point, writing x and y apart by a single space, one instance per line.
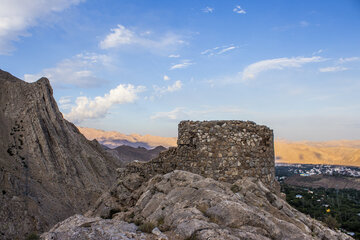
127 154
113 139
341 152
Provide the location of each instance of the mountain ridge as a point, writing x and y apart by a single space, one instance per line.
48 169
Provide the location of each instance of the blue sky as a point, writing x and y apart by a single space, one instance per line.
142 66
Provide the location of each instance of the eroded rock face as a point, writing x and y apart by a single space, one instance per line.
48 170
184 205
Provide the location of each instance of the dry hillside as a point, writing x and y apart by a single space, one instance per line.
343 152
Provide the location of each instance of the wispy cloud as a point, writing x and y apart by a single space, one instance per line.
122 36
317 52
177 113
98 107
16 16
218 50
166 78
184 64
333 69
208 10
239 10
301 24
181 113
78 70
226 49
339 65
174 56
304 23
171 88
65 102
349 59
251 71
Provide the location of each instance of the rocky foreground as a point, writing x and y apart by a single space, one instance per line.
183 205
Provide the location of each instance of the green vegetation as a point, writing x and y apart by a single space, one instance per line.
338 208
147 227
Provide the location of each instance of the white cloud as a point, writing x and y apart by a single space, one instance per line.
166 78
121 36
184 64
350 59
226 50
65 102
239 10
218 50
171 88
333 69
254 69
317 52
177 113
181 113
78 70
16 16
174 56
98 107
208 10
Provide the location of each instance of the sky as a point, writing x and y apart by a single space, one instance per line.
140 66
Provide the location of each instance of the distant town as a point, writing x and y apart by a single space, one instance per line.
285 170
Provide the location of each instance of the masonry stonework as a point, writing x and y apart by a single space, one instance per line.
222 150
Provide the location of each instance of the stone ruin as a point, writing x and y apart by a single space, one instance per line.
222 150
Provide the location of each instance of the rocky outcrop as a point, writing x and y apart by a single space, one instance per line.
184 205
48 169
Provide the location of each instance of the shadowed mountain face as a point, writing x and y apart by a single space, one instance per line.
127 154
48 169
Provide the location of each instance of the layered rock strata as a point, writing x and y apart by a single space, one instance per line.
48 169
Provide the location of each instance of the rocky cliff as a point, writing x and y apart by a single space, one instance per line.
48 169
183 205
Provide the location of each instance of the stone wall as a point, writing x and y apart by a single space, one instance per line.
222 150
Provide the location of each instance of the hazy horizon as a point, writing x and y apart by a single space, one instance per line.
142 66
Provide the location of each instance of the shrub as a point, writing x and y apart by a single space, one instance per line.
331 222
147 227
235 188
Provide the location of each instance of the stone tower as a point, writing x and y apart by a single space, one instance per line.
222 150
